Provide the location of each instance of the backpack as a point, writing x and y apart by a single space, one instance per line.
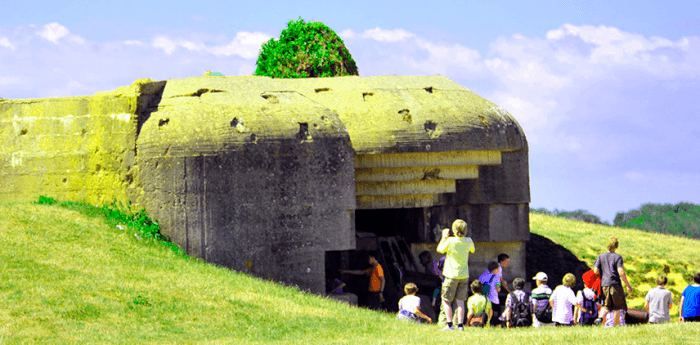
591 313
544 315
487 287
520 315
479 319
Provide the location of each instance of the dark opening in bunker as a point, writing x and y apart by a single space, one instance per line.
387 234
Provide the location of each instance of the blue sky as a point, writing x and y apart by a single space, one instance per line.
607 93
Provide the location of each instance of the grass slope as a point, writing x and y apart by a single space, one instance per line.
69 278
646 254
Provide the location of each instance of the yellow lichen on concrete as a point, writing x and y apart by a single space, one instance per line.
396 160
72 148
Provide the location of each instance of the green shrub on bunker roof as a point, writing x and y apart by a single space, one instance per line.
305 50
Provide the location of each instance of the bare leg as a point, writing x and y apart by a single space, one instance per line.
460 312
448 310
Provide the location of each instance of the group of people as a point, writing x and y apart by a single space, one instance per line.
602 301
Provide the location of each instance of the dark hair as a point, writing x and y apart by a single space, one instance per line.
493 265
519 283
661 280
476 286
425 254
696 278
502 257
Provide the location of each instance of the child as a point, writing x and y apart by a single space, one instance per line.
587 299
478 306
659 301
490 278
563 300
517 313
409 305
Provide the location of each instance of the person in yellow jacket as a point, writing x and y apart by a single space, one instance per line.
456 271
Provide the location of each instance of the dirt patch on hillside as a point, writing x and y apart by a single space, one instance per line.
553 259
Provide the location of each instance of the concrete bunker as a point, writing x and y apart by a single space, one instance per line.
285 178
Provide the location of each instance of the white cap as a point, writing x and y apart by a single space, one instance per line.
541 276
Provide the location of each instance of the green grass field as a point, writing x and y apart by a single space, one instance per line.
68 278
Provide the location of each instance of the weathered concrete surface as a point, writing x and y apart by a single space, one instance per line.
264 188
75 148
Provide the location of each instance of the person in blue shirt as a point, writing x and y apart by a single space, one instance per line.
690 301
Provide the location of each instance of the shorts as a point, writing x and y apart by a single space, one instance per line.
614 297
455 289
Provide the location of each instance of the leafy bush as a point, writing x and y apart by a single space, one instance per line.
681 219
305 50
576 215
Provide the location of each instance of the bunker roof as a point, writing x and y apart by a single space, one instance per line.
382 114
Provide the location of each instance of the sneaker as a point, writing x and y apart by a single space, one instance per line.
448 328
461 329
598 321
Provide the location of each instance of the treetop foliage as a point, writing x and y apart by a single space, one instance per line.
305 50
576 215
681 219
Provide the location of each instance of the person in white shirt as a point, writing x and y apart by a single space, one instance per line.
563 300
409 305
659 302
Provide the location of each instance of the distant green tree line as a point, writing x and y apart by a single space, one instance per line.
682 219
577 215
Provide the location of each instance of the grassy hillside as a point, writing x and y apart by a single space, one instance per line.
70 278
646 254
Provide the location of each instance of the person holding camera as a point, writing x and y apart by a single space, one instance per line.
456 271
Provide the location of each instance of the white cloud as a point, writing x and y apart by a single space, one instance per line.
382 35
169 46
402 49
4 42
162 42
611 46
245 44
347 34
378 34
53 32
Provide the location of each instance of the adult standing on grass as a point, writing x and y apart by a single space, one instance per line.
690 301
539 300
563 300
609 266
659 302
456 271
375 295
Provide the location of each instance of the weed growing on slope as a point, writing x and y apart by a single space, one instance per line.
142 225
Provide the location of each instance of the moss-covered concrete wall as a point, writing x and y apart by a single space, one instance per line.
76 148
